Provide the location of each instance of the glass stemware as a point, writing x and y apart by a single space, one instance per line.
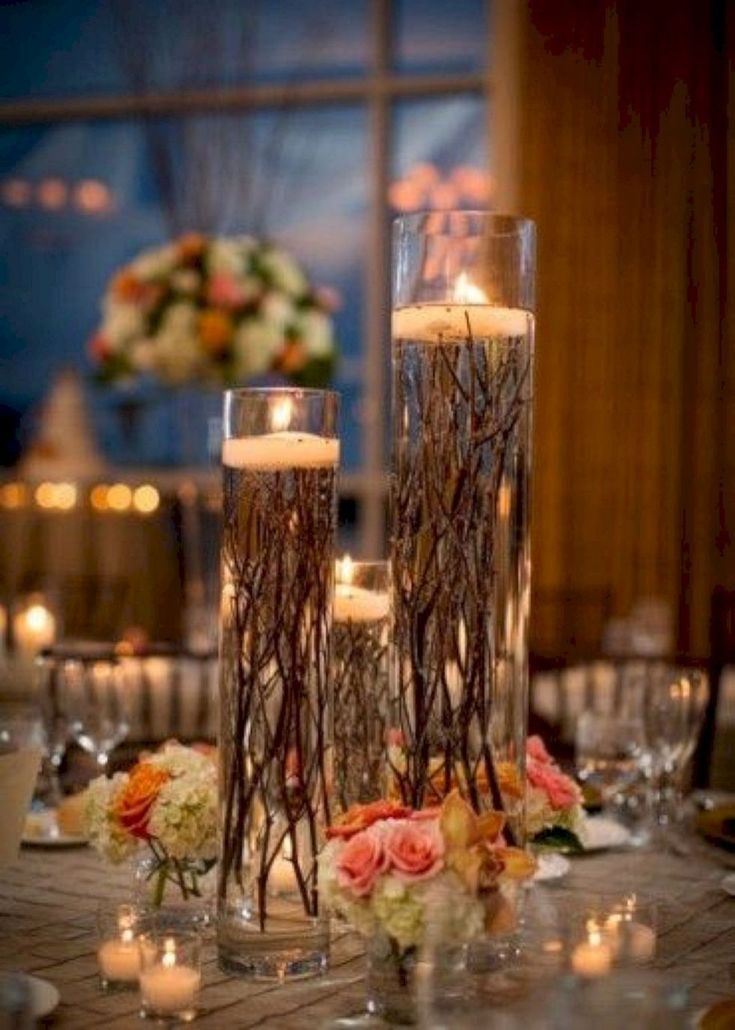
55 724
94 694
675 703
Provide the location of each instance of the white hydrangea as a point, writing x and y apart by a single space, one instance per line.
121 322
226 256
399 911
315 329
103 830
184 816
284 271
186 280
256 343
154 264
276 308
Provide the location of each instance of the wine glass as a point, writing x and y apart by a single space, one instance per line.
675 704
55 723
95 697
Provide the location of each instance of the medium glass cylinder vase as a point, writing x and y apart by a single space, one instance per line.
462 355
280 456
360 664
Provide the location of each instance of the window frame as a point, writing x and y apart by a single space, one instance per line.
378 89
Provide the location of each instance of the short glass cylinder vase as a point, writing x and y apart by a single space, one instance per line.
360 667
176 892
462 356
280 457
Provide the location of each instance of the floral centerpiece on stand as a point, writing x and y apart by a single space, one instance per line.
167 805
404 878
554 813
220 310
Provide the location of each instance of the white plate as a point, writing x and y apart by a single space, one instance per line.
550 866
44 996
600 833
42 831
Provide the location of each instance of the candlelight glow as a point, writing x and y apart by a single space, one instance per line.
38 618
169 956
119 497
465 291
345 569
281 413
146 499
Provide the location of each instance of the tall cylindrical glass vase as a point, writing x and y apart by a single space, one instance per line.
462 354
280 456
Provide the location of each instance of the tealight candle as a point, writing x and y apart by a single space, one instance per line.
118 954
120 960
170 977
592 958
274 452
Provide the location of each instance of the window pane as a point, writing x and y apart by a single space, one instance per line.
77 48
440 154
436 36
305 175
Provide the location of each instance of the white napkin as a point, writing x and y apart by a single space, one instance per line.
18 772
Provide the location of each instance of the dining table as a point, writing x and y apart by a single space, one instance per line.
50 896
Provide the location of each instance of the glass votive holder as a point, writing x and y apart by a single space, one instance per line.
609 931
118 954
360 677
170 976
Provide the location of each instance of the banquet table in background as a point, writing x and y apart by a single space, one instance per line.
48 902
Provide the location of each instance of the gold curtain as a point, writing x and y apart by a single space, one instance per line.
625 165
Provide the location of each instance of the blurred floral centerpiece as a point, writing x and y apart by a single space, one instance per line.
167 804
219 311
554 814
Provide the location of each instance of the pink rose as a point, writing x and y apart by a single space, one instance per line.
415 849
422 814
361 862
226 292
536 749
561 791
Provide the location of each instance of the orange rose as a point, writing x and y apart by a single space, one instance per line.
215 331
359 817
135 803
190 247
127 287
292 358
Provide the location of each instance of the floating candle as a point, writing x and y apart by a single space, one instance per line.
275 452
356 604
450 323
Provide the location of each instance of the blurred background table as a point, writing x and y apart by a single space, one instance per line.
48 903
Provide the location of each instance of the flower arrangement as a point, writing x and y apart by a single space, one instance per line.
391 869
554 813
167 802
219 310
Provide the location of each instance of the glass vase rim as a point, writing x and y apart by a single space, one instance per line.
517 225
305 392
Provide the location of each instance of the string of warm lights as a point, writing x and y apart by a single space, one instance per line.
116 498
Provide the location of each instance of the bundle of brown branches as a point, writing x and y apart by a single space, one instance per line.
277 570
461 415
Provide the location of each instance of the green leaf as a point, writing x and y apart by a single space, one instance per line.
558 839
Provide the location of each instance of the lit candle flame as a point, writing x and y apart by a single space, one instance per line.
345 570
169 953
281 413
465 291
38 618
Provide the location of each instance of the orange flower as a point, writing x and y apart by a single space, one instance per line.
292 358
135 803
190 246
127 287
359 817
215 331
474 848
